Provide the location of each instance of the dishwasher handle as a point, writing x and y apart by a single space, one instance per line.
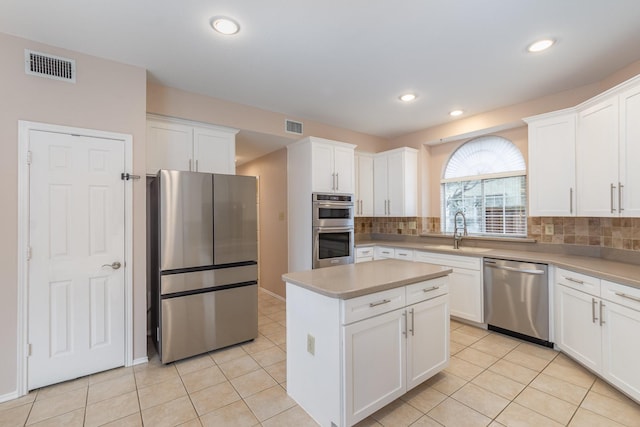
493 264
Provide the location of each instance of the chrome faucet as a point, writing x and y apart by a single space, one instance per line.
456 236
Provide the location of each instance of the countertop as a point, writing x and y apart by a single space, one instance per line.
354 280
619 272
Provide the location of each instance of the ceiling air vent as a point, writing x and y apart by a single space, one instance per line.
293 127
50 66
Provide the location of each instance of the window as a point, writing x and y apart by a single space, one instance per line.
485 179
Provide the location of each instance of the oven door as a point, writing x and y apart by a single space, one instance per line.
332 246
332 214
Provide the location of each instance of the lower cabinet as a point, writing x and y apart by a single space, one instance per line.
348 358
598 324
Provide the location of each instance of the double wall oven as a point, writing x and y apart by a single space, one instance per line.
333 230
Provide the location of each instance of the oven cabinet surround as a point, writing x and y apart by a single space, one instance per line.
597 322
552 144
189 146
347 358
395 182
363 184
312 165
465 283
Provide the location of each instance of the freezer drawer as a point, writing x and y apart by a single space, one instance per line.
196 280
202 322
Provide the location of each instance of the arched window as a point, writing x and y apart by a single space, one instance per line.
485 179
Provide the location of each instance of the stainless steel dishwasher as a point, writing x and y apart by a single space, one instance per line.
517 299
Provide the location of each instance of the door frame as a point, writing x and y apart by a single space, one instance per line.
24 127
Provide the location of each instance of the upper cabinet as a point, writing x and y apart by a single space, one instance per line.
395 182
552 142
607 147
364 184
189 146
581 160
332 166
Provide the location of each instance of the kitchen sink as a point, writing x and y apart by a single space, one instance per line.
460 249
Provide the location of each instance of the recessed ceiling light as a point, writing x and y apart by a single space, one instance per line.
456 113
224 25
407 97
540 45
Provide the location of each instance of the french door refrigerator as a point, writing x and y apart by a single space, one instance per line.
203 262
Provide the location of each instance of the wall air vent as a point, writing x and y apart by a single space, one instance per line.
293 127
50 66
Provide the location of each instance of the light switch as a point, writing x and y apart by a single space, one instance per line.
281 216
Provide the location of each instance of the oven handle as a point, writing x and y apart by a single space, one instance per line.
334 205
492 264
333 229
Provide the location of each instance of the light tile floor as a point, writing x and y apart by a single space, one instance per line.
492 380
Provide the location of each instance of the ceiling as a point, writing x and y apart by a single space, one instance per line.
344 63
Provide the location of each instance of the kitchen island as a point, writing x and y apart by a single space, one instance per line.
361 335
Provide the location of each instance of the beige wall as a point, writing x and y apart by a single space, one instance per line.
107 96
272 172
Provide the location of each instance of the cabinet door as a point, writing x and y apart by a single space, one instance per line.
364 187
169 146
343 168
380 185
427 339
597 160
578 332
629 194
620 347
552 143
396 184
322 175
214 151
465 291
374 364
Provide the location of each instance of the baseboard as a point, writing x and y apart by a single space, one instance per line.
272 294
9 396
140 361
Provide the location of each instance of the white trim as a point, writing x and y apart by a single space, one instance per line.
9 396
169 119
272 294
24 127
139 361
486 176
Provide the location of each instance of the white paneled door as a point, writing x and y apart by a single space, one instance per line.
76 319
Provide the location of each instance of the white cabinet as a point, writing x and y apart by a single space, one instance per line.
552 142
395 182
332 166
348 358
383 252
364 254
188 146
598 324
364 184
465 283
608 143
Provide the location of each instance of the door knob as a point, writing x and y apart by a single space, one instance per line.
115 265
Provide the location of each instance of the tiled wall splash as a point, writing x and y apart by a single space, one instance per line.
617 233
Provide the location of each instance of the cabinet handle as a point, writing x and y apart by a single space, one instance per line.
337 181
196 165
571 279
333 181
189 165
601 317
389 206
377 303
361 210
404 314
632 298
613 187
620 197
433 288
593 310
412 321
402 254
571 200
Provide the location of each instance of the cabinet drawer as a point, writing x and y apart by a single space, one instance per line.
428 289
627 296
359 308
382 252
580 282
460 261
405 254
364 252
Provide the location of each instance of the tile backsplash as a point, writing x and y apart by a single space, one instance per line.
617 233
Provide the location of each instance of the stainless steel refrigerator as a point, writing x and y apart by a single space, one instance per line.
203 255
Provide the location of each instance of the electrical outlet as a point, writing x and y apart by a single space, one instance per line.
281 216
311 344
548 229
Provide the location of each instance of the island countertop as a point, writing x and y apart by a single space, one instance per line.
354 280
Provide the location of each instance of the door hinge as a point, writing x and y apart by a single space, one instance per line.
28 253
127 177
28 157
